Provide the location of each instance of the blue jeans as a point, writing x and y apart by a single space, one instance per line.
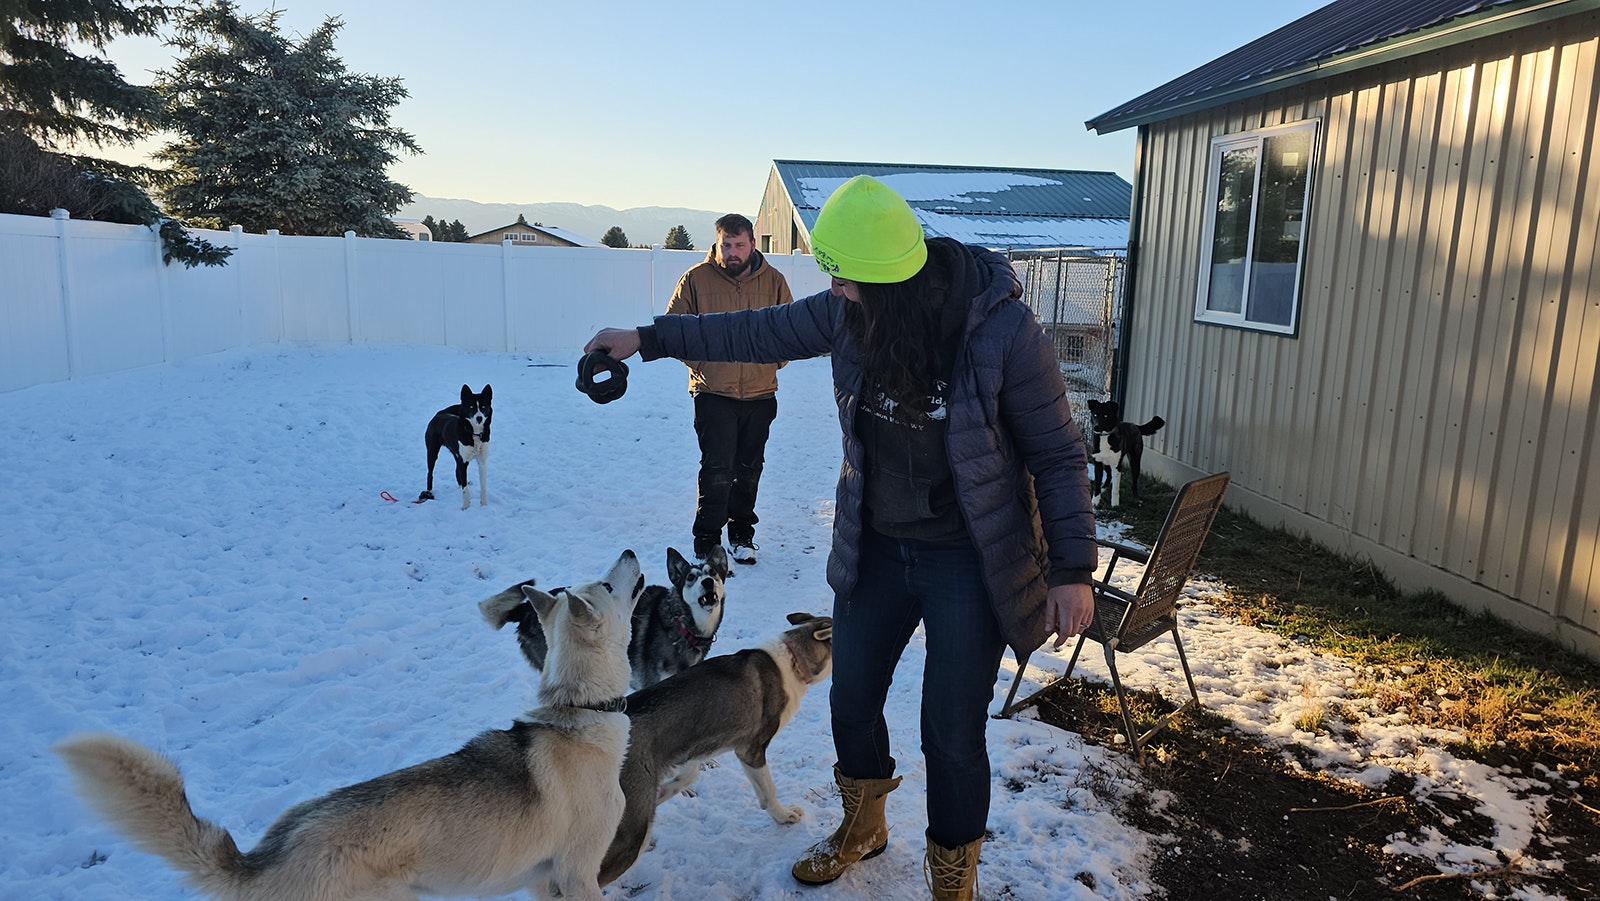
903 582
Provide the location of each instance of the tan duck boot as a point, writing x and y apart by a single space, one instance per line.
864 833
952 873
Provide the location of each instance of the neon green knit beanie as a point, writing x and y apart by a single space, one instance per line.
867 233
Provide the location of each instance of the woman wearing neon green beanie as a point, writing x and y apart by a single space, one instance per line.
963 500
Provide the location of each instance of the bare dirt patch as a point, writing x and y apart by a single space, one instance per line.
1251 821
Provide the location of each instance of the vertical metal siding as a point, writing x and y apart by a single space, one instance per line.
1441 397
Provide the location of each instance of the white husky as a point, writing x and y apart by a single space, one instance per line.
533 806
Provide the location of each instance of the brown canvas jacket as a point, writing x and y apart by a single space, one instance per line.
708 289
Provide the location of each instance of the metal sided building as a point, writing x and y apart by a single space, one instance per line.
1361 277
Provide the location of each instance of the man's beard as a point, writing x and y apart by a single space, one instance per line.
738 270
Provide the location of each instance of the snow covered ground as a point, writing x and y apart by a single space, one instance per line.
201 557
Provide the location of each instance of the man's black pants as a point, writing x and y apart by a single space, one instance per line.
733 443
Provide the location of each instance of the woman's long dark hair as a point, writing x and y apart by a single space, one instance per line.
897 328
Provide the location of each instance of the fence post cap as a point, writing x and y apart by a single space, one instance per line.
59 213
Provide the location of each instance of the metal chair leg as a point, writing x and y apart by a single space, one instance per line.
1075 651
1122 700
1185 661
1016 682
1012 704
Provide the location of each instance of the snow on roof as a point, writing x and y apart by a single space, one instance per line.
1026 232
994 207
565 235
927 187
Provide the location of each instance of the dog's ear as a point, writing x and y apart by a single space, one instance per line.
677 566
487 393
581 610
466 394
717 559
821 626
543 604
505 607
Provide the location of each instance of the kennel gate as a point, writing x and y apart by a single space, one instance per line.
1077 297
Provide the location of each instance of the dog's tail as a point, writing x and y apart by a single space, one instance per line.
1153 426
141 793
509 606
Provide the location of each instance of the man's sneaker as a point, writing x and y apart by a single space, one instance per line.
742 550
703 546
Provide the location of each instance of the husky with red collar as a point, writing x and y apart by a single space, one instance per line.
673 625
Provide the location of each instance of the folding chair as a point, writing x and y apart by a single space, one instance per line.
1126 621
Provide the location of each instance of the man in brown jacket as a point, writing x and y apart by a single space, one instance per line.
734 403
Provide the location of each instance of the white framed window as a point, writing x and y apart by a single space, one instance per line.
1252 259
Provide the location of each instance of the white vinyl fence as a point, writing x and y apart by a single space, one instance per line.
80 298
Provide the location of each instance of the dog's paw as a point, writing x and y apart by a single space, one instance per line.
785 814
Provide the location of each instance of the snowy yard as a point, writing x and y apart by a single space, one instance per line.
200 556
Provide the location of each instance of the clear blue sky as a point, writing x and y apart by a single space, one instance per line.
631 104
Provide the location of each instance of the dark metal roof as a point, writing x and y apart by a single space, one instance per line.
980 191
1343 35
990 206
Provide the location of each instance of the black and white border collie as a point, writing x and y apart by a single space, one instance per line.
1115 441
464 430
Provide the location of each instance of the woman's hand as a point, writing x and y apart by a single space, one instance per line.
1068 611
617 343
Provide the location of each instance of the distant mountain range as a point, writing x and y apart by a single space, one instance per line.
642 225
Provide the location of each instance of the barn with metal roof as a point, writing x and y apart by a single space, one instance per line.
993 207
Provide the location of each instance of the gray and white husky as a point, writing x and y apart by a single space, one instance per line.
529 807
732 702
673 625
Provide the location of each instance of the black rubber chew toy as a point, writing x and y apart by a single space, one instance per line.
610 387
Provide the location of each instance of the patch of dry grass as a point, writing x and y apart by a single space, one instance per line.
1509 692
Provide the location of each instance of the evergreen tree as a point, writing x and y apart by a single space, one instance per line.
678 239
51 96
446 232
274 133
614 237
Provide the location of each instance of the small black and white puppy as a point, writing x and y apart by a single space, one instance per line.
673 626
1114 441
463 429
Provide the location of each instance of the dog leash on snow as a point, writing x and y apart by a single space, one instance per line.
394 500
